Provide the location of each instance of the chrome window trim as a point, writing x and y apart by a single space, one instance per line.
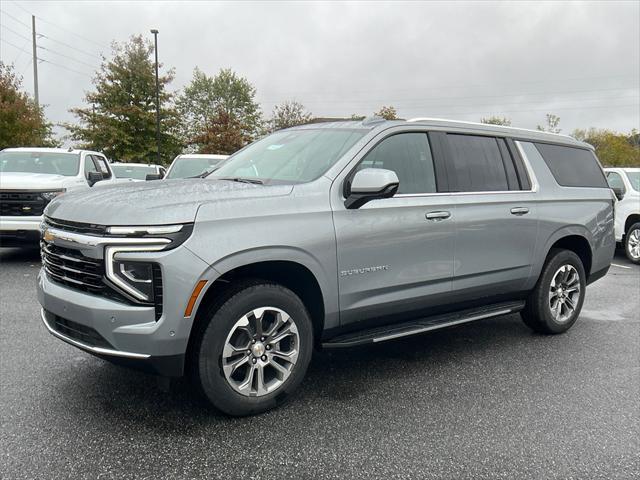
527 166
84 346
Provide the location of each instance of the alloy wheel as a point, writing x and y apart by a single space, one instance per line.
633 243
260 351
564 293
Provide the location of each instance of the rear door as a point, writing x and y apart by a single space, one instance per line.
496 215
395 255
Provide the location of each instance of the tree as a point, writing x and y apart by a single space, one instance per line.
22 123
289 114
210 104
613 149
552 124
495 120
223 134
120 117
388 113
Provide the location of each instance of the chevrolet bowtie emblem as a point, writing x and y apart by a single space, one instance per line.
26 209
48 236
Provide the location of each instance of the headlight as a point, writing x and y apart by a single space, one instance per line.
138 276
171 235
48 196
134 278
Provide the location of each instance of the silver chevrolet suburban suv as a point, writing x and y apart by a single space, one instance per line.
326 235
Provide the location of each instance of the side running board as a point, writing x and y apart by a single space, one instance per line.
414 327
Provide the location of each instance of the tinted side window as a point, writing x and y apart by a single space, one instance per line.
89 165
572 167
102 165
409 155
477 164
615 181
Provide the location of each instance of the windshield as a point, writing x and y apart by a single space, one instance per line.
634 179
292 156
184 167
54 163
137 172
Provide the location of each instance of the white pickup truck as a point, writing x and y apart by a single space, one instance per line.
625 182
31 177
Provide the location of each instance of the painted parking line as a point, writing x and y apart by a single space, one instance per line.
619 266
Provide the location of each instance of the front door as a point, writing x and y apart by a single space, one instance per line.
395 255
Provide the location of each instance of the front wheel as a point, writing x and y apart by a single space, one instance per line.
632 243
255 349
555 303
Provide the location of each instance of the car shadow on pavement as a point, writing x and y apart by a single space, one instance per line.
19 255
109 393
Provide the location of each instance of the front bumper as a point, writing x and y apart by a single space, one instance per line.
122 332
19 231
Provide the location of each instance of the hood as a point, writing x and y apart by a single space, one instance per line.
32 181
155 202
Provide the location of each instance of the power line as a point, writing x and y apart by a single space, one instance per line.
59 27
471 97
493 112
93 55
14 18
13 45
14 32
67 56
66 68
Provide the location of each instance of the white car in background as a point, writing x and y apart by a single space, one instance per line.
194 165
31 177
138 171
625 182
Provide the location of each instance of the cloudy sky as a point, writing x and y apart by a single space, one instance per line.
461 60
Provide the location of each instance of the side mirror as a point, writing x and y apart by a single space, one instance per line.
619 192
153 176
370 184
94 177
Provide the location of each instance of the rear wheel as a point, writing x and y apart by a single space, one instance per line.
555 303
255 349
632 243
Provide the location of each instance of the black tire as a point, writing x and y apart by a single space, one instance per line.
633 229
220 319
537 314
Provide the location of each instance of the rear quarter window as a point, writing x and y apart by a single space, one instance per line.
572 167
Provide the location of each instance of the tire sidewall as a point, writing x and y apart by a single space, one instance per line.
213 381
635 226
562 257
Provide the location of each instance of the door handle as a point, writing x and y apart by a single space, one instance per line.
519 211
437 215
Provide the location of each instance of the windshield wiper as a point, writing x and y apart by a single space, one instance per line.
242 180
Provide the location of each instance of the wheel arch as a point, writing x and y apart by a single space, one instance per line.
631 219
574 238
292 268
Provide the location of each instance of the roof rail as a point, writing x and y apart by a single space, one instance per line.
372 121
432 119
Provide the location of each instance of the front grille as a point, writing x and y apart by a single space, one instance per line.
85 228
15 203
79 332
71 268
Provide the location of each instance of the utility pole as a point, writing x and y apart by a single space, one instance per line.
155 36
35 62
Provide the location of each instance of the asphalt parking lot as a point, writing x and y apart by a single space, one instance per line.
486 400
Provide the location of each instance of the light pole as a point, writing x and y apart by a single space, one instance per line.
155 38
